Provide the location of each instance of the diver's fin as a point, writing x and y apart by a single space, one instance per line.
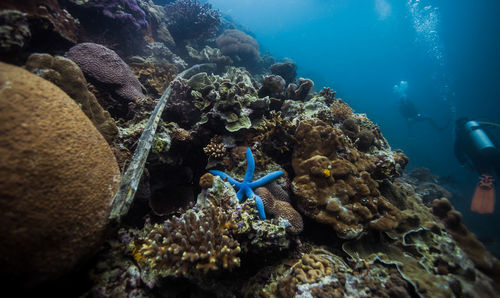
484 197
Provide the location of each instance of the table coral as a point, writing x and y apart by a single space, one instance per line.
333 184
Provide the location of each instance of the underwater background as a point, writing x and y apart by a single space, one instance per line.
247 148
447 51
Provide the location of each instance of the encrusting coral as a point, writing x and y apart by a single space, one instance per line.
333 183
155 76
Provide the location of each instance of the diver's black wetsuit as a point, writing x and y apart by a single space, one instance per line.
484 162
411 114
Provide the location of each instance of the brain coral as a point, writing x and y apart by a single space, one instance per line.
333 182
57 179
105 68
69 77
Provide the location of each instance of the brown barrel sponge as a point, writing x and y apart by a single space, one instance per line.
57 179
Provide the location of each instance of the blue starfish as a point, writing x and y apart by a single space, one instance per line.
246 186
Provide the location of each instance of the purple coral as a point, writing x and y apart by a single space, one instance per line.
104 67
126 11
188 19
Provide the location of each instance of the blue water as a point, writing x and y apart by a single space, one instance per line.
448 51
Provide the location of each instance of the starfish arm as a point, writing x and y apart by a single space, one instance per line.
226 176
260 207
266 179
240 194
250 166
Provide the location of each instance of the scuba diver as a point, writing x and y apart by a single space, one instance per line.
409 111
475 145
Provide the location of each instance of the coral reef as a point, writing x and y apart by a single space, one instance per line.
189 19
272 86
467 241
286 70
23 21
209 55
216 148
320 273
154 76
341 111
230 100
333 182
124 12
118 24
246 187
67 75
197 241
241 47
299 92
329 214
57 179
104 68
282 209
277 135
428 259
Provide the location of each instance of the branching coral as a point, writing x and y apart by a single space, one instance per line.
197 241
189 19
216 148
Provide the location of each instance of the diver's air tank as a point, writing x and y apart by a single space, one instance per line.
480 139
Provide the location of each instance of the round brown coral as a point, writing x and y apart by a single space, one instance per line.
281 209
207 180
